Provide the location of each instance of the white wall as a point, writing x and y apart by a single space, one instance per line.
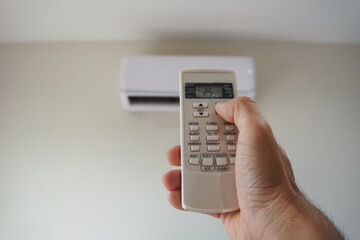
74 165
325 21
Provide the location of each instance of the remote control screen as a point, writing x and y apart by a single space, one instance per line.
209 90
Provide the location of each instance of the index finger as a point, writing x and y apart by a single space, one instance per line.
173 156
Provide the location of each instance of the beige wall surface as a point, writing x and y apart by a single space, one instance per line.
75 165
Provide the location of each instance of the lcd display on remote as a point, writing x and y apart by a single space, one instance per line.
209 90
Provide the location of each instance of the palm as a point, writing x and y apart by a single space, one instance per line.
233 222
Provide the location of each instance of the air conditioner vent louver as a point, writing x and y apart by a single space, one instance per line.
143 100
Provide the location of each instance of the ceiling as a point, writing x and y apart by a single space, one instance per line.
331 21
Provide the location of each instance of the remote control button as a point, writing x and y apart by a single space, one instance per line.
212 128
231 147
201 114
194 161
213 138
194 128
207 161
200 105
232 160
229 127
213 148
230 137
195 148
194 138
221 161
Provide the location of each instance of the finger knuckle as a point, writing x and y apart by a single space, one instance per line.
246 100
258 132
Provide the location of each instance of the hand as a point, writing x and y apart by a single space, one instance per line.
271 204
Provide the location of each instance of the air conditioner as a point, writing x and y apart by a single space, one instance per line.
151 83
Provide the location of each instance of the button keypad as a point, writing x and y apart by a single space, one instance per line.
230 137
194 138
194 161
231 148
207 161
213 148
195 148
221 161
201 114
194 128
211 140
229 127
200 105
212 128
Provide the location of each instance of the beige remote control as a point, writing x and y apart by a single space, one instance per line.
208 143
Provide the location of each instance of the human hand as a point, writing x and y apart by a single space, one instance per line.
271 204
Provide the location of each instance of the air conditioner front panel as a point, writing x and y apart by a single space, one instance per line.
151 83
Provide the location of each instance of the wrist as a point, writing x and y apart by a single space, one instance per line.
292 219
297 218
279 216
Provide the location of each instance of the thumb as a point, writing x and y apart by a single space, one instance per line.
244 112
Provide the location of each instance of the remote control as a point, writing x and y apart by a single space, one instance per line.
208 143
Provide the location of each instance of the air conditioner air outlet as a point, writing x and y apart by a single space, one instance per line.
150 100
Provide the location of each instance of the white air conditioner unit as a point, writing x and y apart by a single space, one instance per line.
151 83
